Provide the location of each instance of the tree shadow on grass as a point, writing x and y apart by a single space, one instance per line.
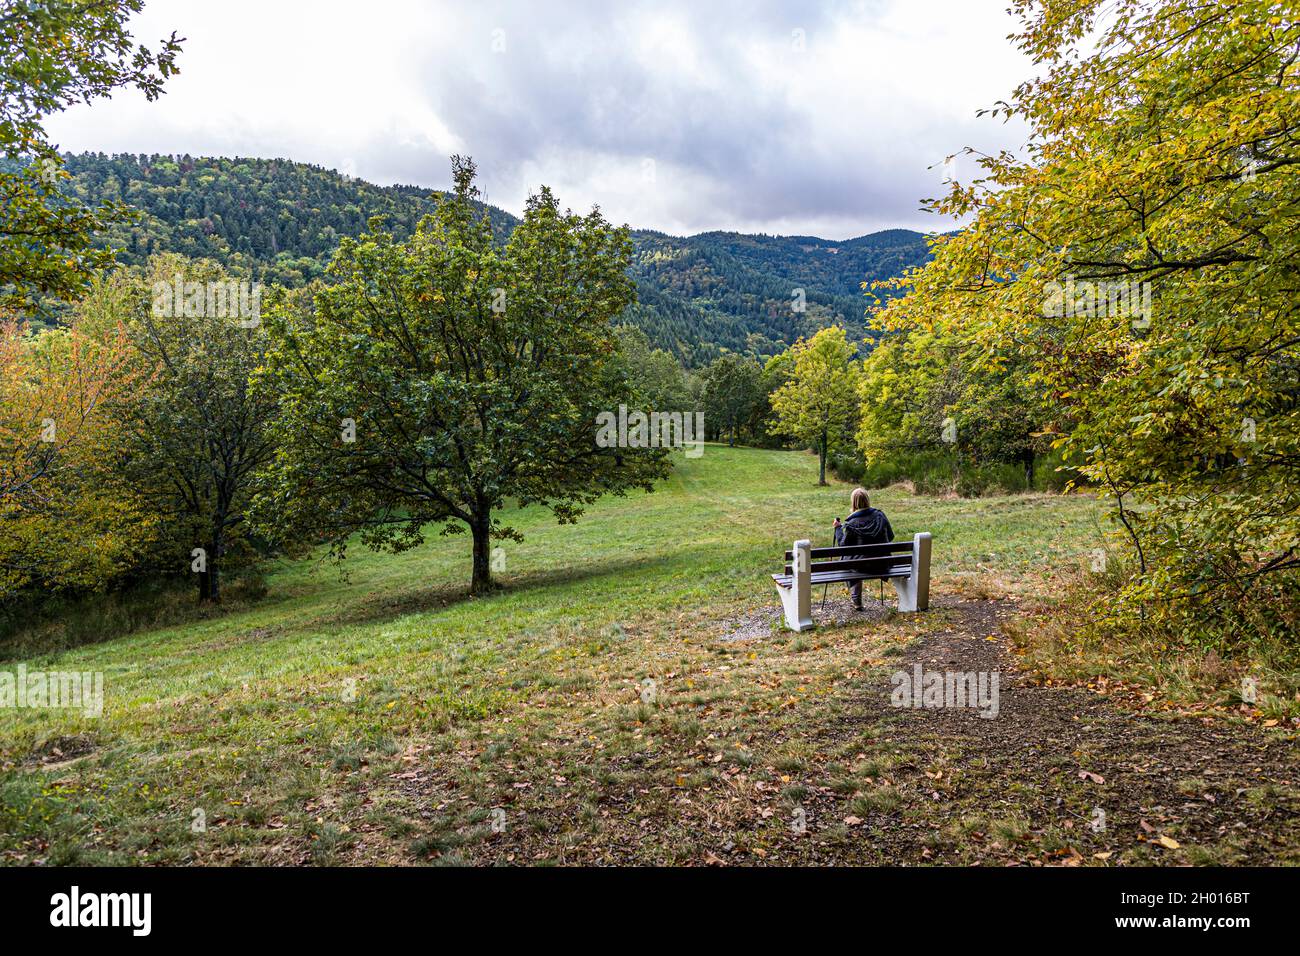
443 596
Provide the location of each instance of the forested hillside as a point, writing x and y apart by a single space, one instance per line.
280 221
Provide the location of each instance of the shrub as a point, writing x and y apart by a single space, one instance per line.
934 472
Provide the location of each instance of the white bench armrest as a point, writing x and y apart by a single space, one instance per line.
914 590
797 598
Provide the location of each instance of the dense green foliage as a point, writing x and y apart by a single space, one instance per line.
656 377
933 413
1137 268
760 294
53 55
280 222
64 524
136 434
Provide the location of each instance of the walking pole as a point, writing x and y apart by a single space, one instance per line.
827 586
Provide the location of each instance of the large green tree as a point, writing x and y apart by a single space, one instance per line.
54 53
193 438
435 380
732 389
62 524
930 390
818 405
656 376
1139 260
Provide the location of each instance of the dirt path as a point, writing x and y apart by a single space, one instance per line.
792 753
1040 771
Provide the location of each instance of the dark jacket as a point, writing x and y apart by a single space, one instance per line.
868 526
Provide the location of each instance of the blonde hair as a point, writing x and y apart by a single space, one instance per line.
859 499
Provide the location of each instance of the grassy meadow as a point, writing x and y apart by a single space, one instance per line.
386 716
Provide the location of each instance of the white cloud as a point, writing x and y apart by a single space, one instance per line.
748 129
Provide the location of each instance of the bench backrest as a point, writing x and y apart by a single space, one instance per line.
862 558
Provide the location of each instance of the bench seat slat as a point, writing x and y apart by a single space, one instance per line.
836 577
867 566
856 551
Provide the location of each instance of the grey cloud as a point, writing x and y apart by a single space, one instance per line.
569 82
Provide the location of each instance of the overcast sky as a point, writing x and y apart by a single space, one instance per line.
811 118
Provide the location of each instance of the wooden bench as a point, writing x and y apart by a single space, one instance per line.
906 563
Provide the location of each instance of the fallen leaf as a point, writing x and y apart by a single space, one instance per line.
1169 843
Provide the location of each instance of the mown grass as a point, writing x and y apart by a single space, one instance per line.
281 732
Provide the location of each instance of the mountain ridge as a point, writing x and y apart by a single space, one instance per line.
279 220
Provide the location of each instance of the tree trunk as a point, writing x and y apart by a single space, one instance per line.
209 579
481 527
214 575
821 461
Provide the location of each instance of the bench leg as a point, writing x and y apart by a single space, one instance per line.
914 590
797 598
906 602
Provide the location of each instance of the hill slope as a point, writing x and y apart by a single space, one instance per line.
249 716
626 699
280 221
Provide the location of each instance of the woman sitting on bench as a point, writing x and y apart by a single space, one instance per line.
866 525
